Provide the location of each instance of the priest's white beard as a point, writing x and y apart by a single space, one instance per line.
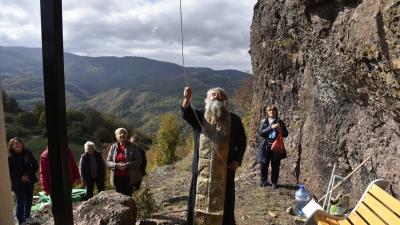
216 112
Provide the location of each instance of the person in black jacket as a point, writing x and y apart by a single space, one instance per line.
23 167
269 129
92 169
135 139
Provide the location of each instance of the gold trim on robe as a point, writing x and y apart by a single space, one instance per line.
212 171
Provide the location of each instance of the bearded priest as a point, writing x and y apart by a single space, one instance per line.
219 146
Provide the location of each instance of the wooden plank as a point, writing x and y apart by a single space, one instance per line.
385 213
331 221
356 219
391 202
320 220
369 215
344 222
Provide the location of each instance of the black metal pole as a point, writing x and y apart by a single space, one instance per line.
54 94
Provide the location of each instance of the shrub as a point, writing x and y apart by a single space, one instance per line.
145 202
15 132
103 135
26 119
9 119
167 139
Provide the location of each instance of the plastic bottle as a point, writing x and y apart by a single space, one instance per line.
302 198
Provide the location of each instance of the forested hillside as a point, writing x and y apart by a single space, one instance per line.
137 89
81 127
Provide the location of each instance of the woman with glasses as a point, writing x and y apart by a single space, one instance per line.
270 127
124 160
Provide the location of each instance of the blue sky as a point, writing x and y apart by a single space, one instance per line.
216 32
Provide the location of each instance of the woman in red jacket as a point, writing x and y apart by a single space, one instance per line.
45 170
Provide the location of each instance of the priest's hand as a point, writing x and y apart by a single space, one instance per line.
234 165
187 97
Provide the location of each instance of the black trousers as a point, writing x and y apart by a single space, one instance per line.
122 186
274 159
90 186
137 185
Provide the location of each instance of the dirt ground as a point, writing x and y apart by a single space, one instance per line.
254 205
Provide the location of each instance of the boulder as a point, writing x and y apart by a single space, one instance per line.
107 207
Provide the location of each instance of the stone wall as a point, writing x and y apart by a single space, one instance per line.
332 67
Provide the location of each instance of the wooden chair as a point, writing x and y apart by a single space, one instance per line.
376 207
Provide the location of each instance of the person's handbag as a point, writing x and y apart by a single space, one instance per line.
278 145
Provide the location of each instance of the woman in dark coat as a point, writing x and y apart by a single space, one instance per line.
92 169
23 167
270 127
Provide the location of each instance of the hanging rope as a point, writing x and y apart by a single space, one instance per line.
183 56
187 83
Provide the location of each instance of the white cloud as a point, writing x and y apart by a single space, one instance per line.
216 32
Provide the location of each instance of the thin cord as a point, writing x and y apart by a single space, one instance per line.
187 84
183 56
186 80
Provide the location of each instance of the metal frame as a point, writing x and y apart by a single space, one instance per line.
54 94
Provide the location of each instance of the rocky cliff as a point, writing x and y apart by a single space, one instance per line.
332 67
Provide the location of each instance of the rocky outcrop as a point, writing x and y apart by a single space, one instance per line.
107 207
332 67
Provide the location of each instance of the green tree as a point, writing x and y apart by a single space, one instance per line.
145 139
145 202
26 119
103 135
9 119
74 115
11 105
92 120
76 132
42 120
14 131
42 124
38 110
167 139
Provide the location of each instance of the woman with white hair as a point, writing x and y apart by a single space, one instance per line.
124 160
92 169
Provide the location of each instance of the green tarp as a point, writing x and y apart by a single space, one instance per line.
76 195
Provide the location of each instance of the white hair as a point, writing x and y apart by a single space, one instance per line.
89 143
216 111
219 89
121 129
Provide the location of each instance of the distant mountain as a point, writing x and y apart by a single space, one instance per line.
135 88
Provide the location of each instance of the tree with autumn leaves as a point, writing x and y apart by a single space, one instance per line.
242 99
167 139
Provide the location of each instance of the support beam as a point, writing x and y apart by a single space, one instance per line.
54 93
6 212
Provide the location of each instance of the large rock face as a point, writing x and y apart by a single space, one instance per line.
332 67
